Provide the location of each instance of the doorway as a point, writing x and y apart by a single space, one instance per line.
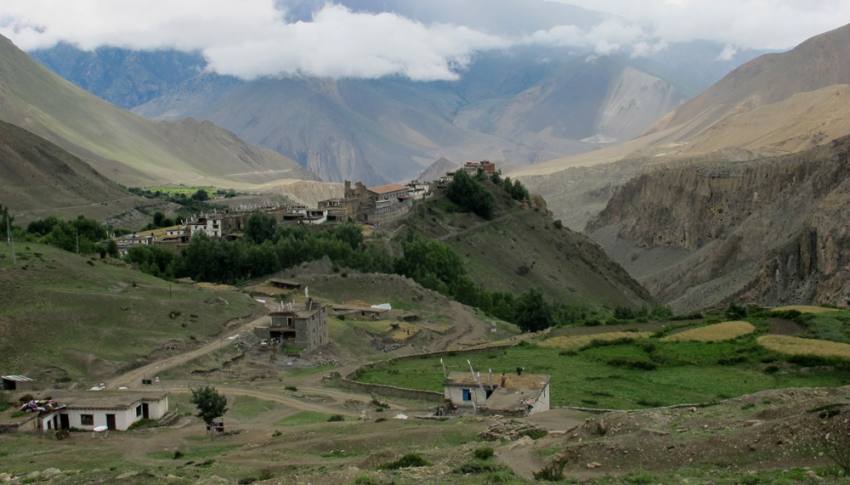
146 414
110 422
64 421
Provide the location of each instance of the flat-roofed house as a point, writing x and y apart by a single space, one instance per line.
514 394
374 205
304 328
112 410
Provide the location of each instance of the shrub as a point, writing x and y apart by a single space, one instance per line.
553 472
535 433
470 195
475 467
291 388
336 418
736 312
410 460
631 364
484 453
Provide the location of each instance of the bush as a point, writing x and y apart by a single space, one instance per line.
410 460
475 467
535 433
736 312
336 418
553 472
632 364
470 195
484 453
291 388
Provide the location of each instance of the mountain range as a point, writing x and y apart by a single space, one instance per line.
739 194
517 106
124 147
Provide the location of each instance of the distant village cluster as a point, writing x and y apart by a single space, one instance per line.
360 204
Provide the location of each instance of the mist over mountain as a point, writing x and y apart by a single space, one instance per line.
519 106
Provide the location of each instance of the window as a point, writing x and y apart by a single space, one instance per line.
138 410
87 420
467 395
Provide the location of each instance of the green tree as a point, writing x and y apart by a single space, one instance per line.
470 194
260 227
431 263
211 405
532 312
201 195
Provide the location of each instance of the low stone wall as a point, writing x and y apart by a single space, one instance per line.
390 391
350 381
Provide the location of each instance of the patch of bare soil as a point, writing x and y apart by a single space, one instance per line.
781 326
771 429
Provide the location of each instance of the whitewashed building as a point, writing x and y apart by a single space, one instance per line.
509 394
110 410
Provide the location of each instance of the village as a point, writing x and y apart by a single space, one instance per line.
370 206
295 326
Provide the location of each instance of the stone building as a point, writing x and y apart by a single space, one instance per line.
305 328
374 205
515 394
486 166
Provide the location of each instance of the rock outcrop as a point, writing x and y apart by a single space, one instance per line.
769 231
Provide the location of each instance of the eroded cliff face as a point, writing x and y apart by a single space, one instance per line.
769 231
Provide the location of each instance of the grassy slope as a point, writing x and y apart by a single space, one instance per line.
38 178
65 315
687 372
119 144
565 265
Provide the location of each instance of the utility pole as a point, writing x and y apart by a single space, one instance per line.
77 237
9 238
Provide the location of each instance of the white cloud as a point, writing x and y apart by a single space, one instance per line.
757 24
728 53
253 38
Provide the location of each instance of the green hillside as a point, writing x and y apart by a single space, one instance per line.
125 147
70 317
521 248
38 178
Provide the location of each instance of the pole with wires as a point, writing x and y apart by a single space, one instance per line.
10 240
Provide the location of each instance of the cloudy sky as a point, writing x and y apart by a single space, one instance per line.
419 39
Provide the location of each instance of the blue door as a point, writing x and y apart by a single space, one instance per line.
467 395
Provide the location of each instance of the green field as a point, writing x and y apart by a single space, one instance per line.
627 375
70 317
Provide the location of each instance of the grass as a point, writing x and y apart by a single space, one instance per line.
49 322
193 453
713 333
580 341
303 418
796 346
248 407
620 376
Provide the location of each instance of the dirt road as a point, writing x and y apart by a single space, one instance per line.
134 377
289 402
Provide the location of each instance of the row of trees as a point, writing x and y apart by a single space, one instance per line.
471 194
266 249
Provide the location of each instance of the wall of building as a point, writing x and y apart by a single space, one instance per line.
542 403
123 418
455 395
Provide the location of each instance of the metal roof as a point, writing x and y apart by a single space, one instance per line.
17 378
